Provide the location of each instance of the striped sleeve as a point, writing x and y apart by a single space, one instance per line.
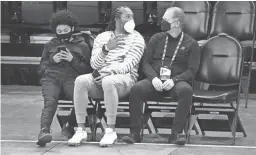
133 56
97 58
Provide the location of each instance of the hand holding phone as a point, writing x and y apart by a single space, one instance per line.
65 54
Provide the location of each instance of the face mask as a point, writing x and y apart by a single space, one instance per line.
129 26
165 26
66 36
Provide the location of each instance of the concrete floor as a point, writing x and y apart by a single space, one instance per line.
20 114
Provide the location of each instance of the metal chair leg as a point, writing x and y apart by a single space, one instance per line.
153 123
59 120
196 130
199 123
240 123
234 124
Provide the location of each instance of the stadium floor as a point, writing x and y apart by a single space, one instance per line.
20 114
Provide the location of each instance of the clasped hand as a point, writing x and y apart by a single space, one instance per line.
160 86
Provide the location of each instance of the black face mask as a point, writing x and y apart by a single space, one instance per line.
66 36
165 26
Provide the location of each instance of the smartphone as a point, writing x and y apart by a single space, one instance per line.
61 48
95 74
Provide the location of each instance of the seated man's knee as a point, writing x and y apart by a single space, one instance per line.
184 88
137 89
108 82
83 81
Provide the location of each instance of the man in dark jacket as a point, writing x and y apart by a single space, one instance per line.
63 59
170 63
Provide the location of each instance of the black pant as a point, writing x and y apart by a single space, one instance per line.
52 88
144 90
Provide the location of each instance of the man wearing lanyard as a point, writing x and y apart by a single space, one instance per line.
170 64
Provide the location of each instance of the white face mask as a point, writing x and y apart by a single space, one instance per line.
129 26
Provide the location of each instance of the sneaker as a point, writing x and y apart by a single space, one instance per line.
44 137
132 138
109 138
78 137
68 131
177 139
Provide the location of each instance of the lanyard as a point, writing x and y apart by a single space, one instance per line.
176 50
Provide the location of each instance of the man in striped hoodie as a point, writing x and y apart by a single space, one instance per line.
115 59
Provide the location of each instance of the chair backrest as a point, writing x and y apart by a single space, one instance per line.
136 7
5 13
196 19
37 12
221 61
235 18
105 8
161 7
86 11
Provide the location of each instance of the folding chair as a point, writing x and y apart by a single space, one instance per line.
86 11
196 19
122 116
35 16
64 110
6 13
161 8
150 26
221 65
236 18
136 7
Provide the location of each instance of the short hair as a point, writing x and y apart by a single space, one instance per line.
63 17
116 14
178 13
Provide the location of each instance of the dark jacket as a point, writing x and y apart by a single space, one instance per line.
80 63
185 64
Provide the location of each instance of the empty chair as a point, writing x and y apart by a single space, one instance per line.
36 12
5 13
161 7
221 65
235 18
105 8
86 11
197 18
137 9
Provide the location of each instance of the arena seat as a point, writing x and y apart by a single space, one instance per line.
237 19
221 65
137 8
64 110
36 12
161 8
86 11
149 26
5 13
196 19
105 8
